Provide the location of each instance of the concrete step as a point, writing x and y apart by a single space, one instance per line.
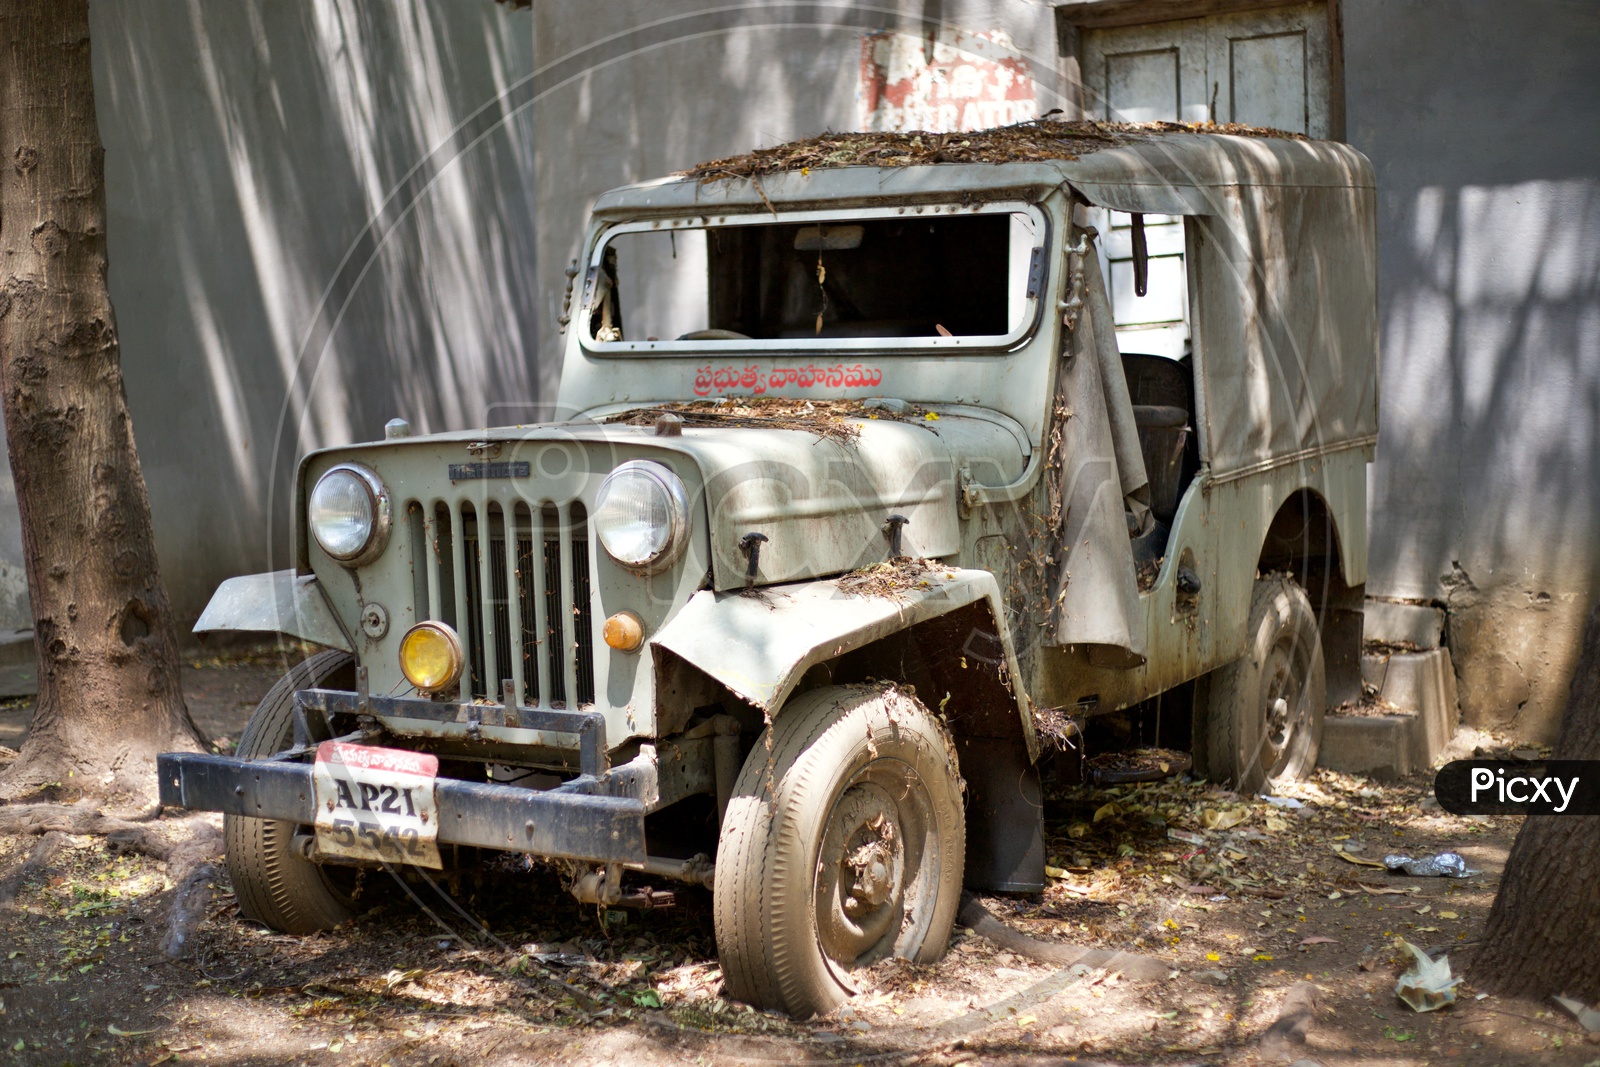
1403 624
1405 726
1378 746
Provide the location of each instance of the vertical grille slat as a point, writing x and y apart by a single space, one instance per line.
554 631
488 646
465 625
514 579
515 630
583 614
538 585
441 567
568 650
475 610
421 561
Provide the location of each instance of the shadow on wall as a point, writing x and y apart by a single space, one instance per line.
321 217
1486 493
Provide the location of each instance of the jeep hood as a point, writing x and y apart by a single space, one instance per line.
823 502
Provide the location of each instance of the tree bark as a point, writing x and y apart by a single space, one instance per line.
1544 927
110 694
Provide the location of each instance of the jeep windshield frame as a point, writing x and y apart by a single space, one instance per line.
1027 282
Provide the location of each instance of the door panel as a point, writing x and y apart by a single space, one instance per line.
1265 68
1154 73
1271 68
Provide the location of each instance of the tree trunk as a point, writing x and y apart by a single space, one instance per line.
1545 925
110 695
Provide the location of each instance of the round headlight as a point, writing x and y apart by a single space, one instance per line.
430 656
641 515
349 513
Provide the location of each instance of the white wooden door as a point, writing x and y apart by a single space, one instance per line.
1265 68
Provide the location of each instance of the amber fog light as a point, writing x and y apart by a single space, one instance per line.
430 656
624 632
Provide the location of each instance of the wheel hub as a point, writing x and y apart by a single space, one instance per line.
873 881
1284 692
861 873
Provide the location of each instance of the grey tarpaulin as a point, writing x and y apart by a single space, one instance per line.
1119 402
1285 330
1289 335
1096 601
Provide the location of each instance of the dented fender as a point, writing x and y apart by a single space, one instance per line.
760 643
281 602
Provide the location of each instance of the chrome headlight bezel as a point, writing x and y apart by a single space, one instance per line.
677 498
378 494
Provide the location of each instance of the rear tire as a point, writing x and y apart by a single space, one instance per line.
1262 715
842 844
272 883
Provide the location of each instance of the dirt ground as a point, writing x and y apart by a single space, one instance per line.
512 970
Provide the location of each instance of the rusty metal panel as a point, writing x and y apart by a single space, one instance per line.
280 602
560 822
759 646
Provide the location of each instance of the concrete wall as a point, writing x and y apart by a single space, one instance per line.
636 89
305 241
1486 493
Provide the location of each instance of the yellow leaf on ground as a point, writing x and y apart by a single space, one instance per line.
1359 861
1223 819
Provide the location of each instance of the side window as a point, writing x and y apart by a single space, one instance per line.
1157 322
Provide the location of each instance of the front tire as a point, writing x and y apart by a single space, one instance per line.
1262 715
272 883
842 844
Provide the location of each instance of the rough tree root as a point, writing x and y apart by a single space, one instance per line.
190 859
974 915
1289 1031
32 864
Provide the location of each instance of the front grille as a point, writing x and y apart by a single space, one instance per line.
513 580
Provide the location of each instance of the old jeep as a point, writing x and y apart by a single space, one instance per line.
881 472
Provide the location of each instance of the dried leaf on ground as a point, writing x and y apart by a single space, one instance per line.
1359 861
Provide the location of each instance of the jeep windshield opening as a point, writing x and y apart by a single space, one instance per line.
907 277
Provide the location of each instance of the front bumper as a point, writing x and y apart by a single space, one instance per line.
597 817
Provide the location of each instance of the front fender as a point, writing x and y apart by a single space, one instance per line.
759 644
281 602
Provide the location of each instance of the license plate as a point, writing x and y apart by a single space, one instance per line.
376 804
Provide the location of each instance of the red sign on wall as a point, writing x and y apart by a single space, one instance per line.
946 82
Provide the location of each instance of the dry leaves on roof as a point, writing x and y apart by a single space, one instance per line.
1042 139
